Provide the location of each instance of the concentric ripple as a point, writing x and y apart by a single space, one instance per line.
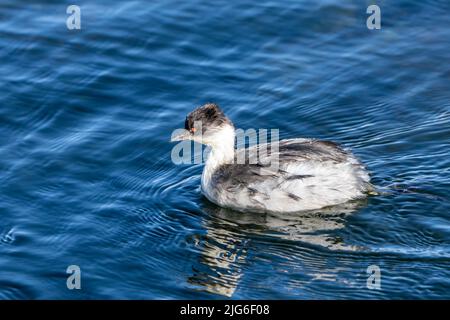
86 175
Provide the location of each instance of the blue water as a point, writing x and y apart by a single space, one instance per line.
86 176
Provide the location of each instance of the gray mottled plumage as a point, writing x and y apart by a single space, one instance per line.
301 174
256 182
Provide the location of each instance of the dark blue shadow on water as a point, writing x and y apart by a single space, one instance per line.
86 176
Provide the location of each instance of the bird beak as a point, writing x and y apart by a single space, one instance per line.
180 135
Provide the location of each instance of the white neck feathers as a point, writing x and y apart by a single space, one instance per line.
221 146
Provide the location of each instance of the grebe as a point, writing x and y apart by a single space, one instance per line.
310 174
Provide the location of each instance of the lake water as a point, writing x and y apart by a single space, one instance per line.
86 176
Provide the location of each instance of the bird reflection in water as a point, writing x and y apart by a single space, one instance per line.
227 242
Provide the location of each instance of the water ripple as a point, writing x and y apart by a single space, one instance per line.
85 170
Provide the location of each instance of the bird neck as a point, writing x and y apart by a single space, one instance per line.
220 155
221 152
221 147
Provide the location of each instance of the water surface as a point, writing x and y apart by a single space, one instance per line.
85 171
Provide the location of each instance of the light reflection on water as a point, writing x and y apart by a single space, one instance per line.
225 245
85 170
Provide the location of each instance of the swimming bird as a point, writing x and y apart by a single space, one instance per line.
310 174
